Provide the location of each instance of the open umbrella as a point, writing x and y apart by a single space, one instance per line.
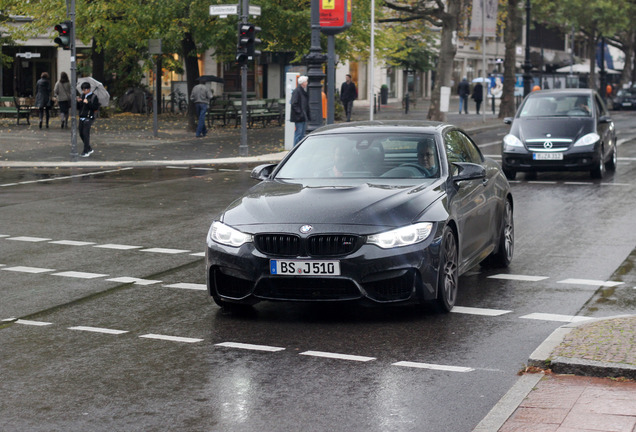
96 87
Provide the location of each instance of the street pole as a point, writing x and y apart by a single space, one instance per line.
331 77
603 72
73 86
372 62
527 65
484 86
315 59
243 148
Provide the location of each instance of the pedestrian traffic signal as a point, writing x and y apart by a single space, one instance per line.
247 41
63 40
252 41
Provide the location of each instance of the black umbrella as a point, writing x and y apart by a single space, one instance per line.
211 78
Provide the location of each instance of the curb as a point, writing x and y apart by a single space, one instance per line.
542 356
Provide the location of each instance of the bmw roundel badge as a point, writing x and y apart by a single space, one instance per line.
306 228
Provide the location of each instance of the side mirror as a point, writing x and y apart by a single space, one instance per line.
262 172
605 119
468 171
508 120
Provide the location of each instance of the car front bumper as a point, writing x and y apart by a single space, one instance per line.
583 159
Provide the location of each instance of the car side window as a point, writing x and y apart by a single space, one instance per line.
600 107
460 148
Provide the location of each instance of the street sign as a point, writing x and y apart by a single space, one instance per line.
154 46
28 55
254 10
224 10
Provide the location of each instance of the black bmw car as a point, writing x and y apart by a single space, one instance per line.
372 211
556 130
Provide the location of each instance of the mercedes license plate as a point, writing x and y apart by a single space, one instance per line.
304 267
547 156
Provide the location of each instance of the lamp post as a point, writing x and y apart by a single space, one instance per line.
315 59
527 65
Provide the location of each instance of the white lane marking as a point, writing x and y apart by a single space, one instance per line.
555 317
198 254
29 239
72 243
80 275
229 170
479 311
192 286
250 346
117 246
615 184
177 167
132 280
65 177
203 169
518 277
98 330
165 251
590 282
490 144
433 366
337 356
4 235
33 323
24 269
578 183
170 338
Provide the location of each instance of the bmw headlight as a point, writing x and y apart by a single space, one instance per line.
228 236
404 236
588 139
512 141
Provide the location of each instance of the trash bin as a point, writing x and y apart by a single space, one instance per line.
384 95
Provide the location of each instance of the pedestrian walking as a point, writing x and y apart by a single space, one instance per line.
463 89
43 97
300 114
201 96
62 92
86 106
348 93
478 96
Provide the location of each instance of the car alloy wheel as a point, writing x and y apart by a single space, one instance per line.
448 275
599 171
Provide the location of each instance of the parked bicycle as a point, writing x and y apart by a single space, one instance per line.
178 102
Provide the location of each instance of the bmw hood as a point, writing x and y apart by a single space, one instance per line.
556 127
282 203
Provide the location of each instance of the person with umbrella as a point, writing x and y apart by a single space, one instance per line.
201 96
86 106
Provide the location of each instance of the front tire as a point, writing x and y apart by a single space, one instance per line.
599 170
611 165
448 279
503 256
510 174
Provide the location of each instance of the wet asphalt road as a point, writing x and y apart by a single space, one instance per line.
96 350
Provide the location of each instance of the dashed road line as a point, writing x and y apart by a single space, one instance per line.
29 239
190 286
33 323
518 277
24 269
132 280
72 242
165 250
117 246
64 177
98 330
337 356
198 254
171 338
80 275
479 311
590 282
433 366
556 317
250 347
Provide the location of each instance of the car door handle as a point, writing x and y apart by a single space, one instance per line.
484 181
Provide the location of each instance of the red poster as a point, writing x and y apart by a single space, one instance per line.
335 15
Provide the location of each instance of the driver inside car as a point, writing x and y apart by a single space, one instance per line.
427 157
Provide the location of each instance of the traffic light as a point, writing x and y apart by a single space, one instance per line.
252 41
247 41
63 40
241 46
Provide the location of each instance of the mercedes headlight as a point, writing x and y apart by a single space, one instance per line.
404 236
511 140
588 139
221 233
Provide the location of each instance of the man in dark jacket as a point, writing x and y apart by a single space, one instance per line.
463 89
300 109
348 93
86 106
478 96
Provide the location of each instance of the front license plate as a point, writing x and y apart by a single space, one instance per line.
304 268
547 156
627 104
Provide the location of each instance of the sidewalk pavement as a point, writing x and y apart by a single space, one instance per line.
128 139
565 387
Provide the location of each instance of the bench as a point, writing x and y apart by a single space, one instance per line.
264 111
10 105
219 109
